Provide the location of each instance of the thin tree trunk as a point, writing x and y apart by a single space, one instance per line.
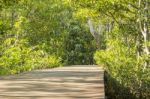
95 34
143 24
144 27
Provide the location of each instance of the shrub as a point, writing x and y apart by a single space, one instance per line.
125 71
19 58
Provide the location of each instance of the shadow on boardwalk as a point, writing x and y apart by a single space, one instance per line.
72 82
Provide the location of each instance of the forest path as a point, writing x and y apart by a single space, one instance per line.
70 82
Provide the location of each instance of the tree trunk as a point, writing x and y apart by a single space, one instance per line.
143 23
94 33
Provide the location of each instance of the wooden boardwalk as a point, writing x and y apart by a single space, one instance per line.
70 82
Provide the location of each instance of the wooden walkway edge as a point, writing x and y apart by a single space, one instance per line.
70 82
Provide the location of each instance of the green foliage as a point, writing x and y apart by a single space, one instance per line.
126 56
77 47
37 34
16 58
124 70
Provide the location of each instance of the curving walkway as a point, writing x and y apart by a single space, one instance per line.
70 82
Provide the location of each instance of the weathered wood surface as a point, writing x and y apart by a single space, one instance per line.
70 82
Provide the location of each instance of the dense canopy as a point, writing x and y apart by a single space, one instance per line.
115 34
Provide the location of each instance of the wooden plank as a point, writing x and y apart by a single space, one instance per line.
70 82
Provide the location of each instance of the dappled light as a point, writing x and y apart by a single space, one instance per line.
37 36
73 82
